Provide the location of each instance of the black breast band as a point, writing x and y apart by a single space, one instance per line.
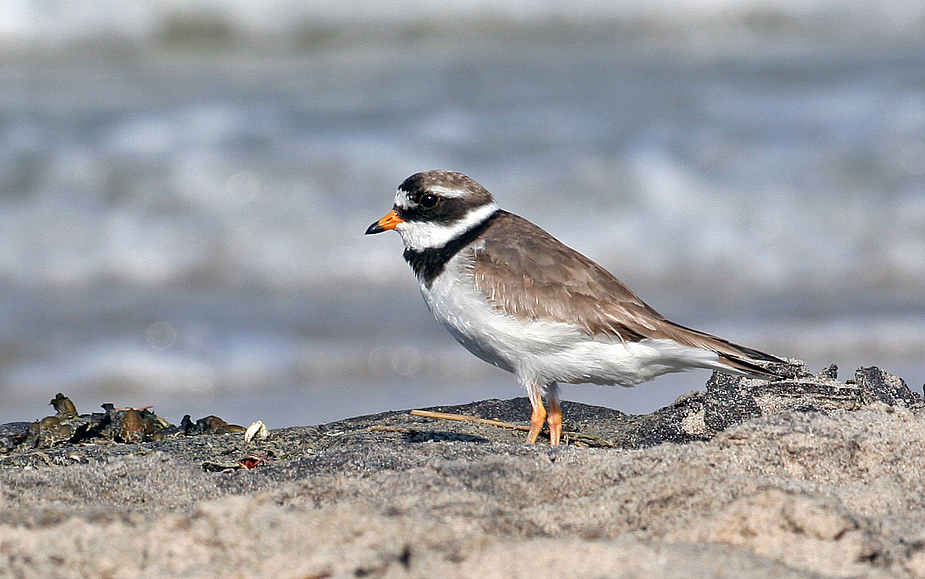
429 263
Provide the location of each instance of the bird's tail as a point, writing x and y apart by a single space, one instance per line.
735 359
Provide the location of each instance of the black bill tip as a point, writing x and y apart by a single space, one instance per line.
374 228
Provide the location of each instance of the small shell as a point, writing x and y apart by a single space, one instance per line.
258 429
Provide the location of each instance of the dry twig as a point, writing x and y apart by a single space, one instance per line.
464 418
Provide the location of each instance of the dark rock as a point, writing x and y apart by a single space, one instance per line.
831 372
729 401
13 434
879 386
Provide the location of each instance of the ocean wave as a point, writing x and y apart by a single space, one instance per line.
26 22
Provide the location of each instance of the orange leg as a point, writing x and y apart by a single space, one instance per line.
554 419
538 416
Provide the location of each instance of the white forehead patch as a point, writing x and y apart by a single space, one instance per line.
401 199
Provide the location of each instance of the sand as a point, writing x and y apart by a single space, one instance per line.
807 477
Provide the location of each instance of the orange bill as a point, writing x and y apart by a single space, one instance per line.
388 222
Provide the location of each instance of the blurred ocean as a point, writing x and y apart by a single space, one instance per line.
184 188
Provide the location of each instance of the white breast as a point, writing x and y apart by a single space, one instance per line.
492 336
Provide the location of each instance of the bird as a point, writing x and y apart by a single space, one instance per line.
520 299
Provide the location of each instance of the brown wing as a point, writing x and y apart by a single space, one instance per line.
527 273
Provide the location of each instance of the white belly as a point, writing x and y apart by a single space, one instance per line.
548 352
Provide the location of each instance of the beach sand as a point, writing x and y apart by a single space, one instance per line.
805 477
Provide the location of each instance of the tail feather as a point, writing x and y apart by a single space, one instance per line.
745 360
749 367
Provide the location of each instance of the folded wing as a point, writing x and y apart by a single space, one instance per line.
546 280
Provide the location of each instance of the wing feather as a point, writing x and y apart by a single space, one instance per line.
528 274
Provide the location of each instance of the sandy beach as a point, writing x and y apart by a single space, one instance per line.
807 477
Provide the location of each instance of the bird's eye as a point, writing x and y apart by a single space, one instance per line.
427 201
